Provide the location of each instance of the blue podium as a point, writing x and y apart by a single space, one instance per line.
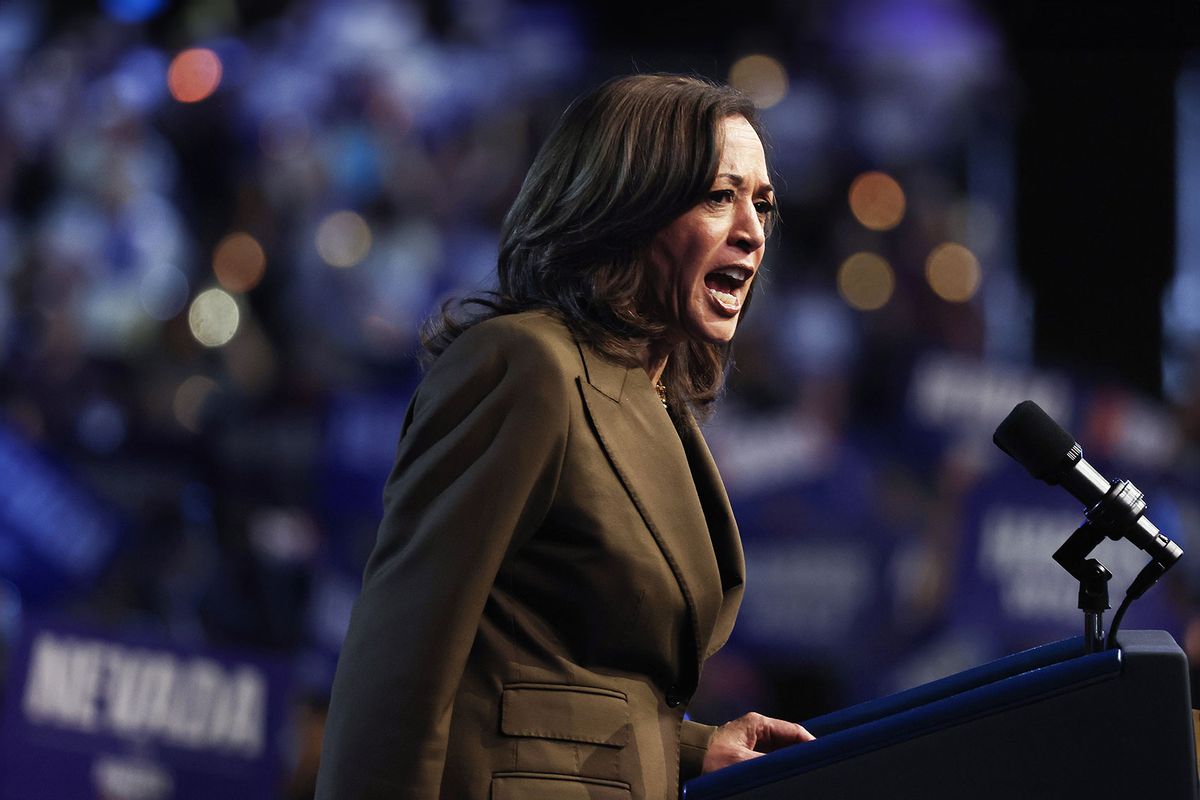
1051 722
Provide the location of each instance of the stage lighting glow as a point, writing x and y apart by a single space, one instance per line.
877 201
190 397
761 77
953 272
194 75
343 239
239 262
866 281
213 318
132 10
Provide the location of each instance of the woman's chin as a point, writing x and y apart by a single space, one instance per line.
713 331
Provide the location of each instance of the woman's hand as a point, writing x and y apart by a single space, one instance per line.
749 736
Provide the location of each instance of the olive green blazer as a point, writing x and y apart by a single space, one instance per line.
555 562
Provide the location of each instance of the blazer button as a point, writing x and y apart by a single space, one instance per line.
674 697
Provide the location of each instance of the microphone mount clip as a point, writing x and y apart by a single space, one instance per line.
1093 580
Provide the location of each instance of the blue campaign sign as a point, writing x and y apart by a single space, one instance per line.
815 554
952 397
54 534
93 714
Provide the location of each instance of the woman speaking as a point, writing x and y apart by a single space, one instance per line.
557 556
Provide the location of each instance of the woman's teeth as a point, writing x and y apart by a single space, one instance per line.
724 298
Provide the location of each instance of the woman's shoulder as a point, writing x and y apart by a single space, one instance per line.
524 326
534 341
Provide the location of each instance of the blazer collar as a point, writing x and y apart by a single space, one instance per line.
675 485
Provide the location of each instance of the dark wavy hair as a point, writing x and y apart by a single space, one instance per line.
624 161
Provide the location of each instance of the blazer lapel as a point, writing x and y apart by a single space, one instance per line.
727 543
649 458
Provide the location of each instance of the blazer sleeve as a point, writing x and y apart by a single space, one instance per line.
476 471
693 746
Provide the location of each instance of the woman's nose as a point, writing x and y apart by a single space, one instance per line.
747 232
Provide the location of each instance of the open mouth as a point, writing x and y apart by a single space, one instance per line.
725 286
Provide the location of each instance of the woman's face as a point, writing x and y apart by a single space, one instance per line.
703 263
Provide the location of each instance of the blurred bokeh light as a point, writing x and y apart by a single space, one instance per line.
132 10
761 77
866 281
213 318
343 239
190 397
953 272
194 75
163 292
239 262
877 200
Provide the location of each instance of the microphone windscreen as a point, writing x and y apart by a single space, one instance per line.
1036 441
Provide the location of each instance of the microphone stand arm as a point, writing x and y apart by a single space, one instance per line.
1093 580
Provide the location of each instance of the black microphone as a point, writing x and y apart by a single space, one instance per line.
1039 444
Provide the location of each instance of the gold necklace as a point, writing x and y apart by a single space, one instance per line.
662 393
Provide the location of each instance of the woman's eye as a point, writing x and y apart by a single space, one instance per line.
721 196
765 207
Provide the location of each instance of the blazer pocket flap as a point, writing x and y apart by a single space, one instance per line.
561 711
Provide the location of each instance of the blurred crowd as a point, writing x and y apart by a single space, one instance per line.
220 234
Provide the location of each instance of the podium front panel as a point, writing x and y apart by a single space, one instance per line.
1115 724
